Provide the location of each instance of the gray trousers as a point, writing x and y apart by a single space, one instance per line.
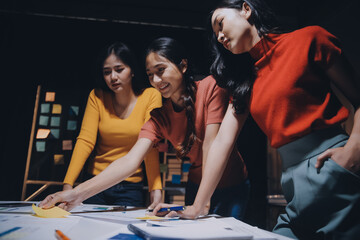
322 204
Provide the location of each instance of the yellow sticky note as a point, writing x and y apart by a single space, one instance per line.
147 217
42 133
56 109
54 212
58 159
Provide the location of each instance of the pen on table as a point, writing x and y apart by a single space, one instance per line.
177 208
60 236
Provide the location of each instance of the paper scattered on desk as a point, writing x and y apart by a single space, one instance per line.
54 212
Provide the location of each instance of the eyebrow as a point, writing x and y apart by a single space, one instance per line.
157 65
215 20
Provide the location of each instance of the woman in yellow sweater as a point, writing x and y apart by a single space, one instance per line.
114 115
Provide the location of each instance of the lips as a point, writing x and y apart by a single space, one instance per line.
226 43
116 85
163 86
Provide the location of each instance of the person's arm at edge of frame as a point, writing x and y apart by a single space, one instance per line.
345 79
218 156
114 173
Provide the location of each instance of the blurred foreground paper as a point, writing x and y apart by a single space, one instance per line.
54 212
42 133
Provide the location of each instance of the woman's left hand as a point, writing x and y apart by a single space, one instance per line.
348 157
155 198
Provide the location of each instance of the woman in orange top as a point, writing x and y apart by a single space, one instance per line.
114 115
284 82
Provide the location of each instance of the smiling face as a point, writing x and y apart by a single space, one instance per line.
165 76
233 30
117 74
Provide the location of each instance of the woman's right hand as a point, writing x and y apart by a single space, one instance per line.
68 200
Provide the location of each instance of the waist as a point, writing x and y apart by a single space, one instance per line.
310 145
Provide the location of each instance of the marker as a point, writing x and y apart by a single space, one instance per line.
177 208
60 236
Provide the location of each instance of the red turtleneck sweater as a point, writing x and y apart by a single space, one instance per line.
291 95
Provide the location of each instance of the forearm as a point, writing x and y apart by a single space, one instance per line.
354 140
116 171
152 166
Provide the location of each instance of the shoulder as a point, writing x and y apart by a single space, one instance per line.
311 34
150 93
208 86
206 83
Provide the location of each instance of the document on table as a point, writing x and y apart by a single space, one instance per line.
210 228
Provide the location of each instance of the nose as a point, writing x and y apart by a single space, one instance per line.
156 79
113 75
220 37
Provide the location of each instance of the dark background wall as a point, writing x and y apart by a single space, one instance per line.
54 43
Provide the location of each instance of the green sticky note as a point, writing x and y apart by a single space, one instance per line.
45 108
55 121
71 125
40 146
55 133
74 111
163 168
43 120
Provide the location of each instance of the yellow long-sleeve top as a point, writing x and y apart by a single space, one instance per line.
113 137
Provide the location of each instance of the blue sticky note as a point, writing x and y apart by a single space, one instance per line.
43 120
55 133
71 125
40 146
186 167
74 111
125 236
176 179
55 121
45 108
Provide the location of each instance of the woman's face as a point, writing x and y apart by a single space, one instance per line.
165 76
117 74
232 28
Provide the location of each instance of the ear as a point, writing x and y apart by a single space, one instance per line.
184 65
246 10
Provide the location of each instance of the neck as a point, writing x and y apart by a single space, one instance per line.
124 98
255 38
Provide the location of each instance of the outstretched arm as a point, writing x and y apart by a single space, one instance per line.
347 82
114 173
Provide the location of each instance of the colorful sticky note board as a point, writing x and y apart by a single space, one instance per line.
74 111
56 109
67 144
43 120
58 159
55 133
50 97
45 108
71 125
42 133
55 121
40 146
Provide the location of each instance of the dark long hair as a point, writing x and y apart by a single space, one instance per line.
124 53
175 52
236 72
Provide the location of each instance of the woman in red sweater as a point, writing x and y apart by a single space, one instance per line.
284 81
